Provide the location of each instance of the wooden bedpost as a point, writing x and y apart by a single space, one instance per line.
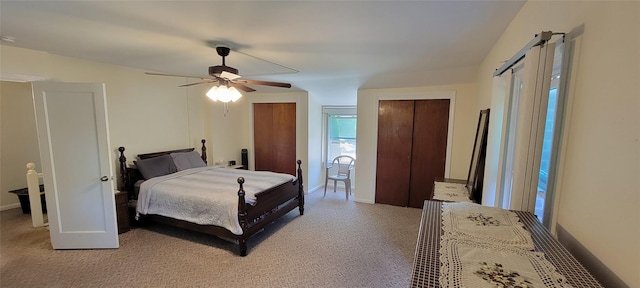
242 217
203 151
123 170
300 189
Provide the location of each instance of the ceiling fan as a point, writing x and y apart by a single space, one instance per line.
226 75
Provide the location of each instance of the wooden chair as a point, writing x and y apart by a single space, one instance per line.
344 164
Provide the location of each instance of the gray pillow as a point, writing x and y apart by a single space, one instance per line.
156 166
187 160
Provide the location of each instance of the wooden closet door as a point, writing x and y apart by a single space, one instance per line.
429 148
395 129
274 137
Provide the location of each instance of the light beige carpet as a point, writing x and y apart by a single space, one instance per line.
337 243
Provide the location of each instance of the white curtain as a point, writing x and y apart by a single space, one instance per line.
531 114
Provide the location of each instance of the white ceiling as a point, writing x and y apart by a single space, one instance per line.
329 48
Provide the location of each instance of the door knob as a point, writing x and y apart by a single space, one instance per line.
104 179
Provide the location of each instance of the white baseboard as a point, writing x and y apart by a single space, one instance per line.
356 199
309 191
10 206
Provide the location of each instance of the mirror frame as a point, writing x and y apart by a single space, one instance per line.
476 168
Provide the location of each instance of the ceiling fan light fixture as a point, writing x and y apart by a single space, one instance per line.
224 94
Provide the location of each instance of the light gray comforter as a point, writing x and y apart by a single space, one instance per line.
206 195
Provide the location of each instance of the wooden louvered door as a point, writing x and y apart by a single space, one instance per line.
412 148
274 137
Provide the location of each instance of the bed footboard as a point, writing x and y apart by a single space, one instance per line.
270 205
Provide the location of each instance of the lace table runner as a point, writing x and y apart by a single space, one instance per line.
427 265
481 223
454 192
467 263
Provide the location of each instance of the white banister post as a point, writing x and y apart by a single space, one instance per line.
33 184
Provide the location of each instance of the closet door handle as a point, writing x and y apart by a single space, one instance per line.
104 179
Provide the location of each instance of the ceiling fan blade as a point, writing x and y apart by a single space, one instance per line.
174 75
196 83
266 83
228 75
241 87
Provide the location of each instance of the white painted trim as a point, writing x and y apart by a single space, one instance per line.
14 77
314 189
10 206
363 200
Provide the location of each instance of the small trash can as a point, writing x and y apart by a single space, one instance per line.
25 204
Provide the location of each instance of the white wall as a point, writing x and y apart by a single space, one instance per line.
146 113
225 131
465 118
19 140
315 168
599 194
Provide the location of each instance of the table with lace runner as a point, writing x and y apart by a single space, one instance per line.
427 265
485 224
468 263
487 247
450 191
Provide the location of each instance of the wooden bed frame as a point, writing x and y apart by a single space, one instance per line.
270 204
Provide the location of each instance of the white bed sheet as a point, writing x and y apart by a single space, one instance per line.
205 195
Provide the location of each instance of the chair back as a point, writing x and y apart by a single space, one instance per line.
344 163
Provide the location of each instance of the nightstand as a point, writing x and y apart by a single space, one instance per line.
234 167
122 211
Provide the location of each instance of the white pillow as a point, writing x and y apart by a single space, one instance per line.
187 160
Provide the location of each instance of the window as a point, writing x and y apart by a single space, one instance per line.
340 132
342 136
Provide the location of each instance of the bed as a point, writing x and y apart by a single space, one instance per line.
427 265
245 201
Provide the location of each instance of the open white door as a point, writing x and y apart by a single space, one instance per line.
73 138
